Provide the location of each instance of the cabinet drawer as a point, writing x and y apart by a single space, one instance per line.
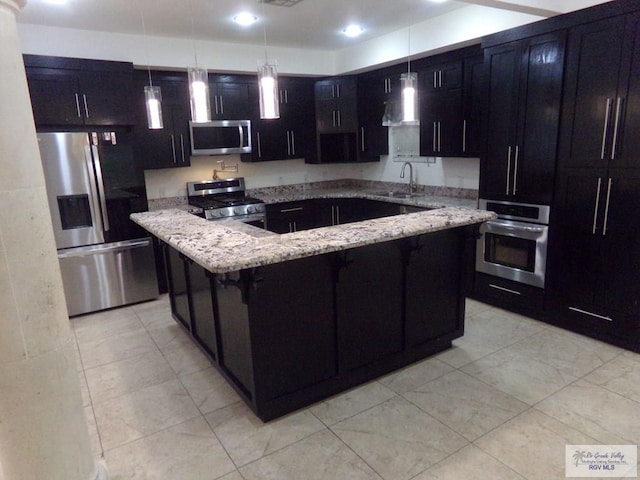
510 295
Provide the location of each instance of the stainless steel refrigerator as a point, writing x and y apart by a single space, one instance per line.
93 185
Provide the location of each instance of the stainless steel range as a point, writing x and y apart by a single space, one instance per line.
220 199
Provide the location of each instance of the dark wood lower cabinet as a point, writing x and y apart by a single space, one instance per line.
289 334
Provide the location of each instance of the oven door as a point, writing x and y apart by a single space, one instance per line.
513 250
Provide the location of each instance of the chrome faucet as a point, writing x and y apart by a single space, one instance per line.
412 185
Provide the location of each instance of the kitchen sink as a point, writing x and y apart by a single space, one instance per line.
398 194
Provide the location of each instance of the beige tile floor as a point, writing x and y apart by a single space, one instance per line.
501 404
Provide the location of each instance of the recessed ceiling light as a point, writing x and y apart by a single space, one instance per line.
57 2
353 30
245 19
438 1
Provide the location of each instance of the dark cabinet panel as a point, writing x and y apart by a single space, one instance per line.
434 299
472 94
524 93
291 216
336 105
202 308
178 286
233 97
100 94
168 147
369 326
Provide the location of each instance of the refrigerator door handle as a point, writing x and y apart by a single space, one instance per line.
101 194
96 216
104 248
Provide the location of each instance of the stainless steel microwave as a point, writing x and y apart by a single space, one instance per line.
220 137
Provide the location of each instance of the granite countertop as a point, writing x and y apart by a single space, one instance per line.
228 245
420 200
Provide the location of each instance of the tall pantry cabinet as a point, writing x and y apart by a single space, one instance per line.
595 232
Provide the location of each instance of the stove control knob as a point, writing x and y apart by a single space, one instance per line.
223 213
250 209
237 211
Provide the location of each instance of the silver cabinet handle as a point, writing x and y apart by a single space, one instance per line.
591 314
439 136
440 79
293 209
333 215
362 138
338 90
173 147
182 147
435 132
435 79
515 171
86 107
338 214
293 143
464 136
339 118
607 114
508 290
334 118
221 105
259 145
508 169
614 144
606 208
288 143
78 106
215 103
595 208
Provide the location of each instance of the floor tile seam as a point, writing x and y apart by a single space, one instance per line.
107 336
395 395
612 391
335 435
91 402
494 387
572 427
226 451
428 381
137 389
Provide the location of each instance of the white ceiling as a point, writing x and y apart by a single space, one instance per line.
314 24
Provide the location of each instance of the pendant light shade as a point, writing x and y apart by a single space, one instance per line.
153 98
199 94
409 83
268 86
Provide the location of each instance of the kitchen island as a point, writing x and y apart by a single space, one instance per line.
290 319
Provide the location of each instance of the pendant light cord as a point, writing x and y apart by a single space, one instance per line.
146 40
409 48
193 33
264 32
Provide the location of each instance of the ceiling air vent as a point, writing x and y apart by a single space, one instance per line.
282 3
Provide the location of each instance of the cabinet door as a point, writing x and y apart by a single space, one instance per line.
619 285
296 96
231 100
594 52
369 325
336 105
167 147
204 322
107 97
270 140
433 295
446 76
503 70
538 119
472 93
178 286
55 97
626 131
441 124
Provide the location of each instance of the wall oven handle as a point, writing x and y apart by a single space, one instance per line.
607 114
508 168
595 208
606 208
520 228
241 134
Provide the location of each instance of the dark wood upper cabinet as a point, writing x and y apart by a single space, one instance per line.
449 85
76 92
170 146
233 97
524 89
336 105
601 109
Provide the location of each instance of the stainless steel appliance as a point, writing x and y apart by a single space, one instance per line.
220 137
92 186
220 199
514 246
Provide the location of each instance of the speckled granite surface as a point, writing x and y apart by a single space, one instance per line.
226 246
430 195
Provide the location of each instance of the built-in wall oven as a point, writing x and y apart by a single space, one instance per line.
514 246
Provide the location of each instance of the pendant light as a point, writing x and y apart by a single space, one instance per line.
268 81
409 85
198 85
152 93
